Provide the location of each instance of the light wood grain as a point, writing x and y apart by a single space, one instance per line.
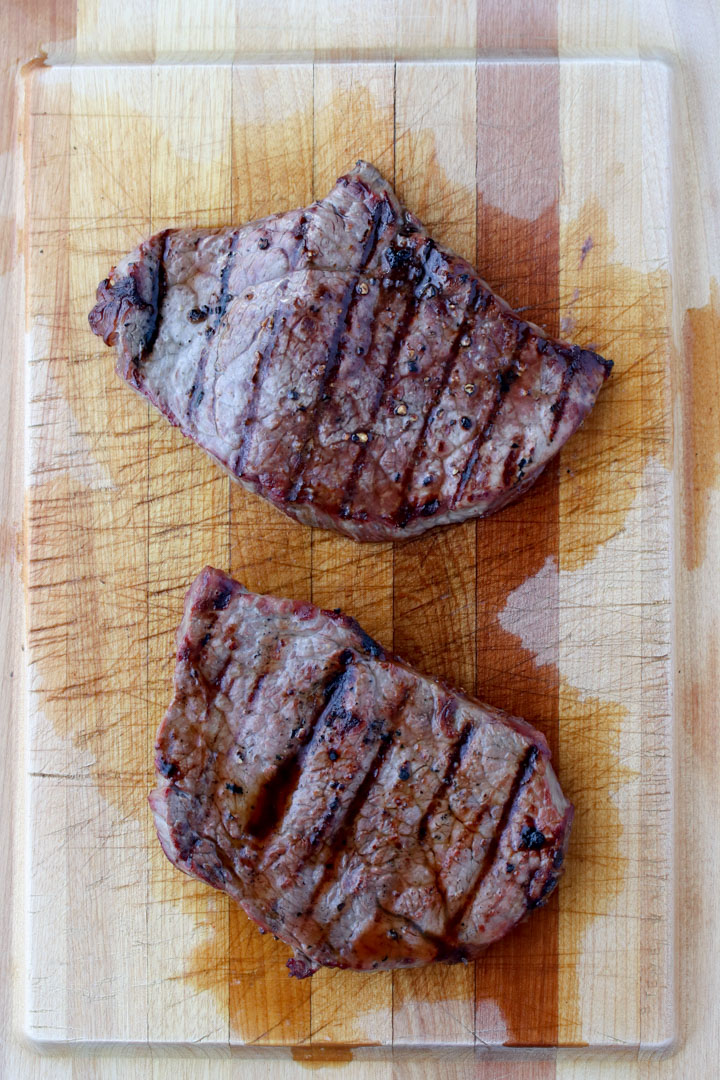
581 27
607 516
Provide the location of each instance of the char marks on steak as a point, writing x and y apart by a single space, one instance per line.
368 816
342 364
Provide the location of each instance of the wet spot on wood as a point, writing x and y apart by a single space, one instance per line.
625 315
316 1057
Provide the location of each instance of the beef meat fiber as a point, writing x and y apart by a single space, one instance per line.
339 362
367 815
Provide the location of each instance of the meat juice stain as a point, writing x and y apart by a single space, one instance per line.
625 315
593 774
628 424
318 1057
35 63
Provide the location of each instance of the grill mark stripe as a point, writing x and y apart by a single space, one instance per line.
480 440
509 466
274 798
300 237
446 951
265 667
356 804
403 331
328 377
334 354
558 407
548 887
456 756
522 777
258 683
353 810
224 298
198 389
404 513
477 444
263 360
149 343
505 380
258 377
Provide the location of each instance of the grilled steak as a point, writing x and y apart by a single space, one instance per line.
342 364
368 816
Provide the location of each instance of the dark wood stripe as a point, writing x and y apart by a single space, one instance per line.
517 992
521 779
274 798
443 788
335 351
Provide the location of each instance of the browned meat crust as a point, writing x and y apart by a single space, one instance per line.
339 362
368 816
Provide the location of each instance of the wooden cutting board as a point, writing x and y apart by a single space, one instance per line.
558 609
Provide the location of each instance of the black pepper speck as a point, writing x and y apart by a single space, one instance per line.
532 839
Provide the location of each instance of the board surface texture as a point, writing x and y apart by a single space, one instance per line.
558 609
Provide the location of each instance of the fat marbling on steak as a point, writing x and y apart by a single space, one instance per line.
338 361
368 816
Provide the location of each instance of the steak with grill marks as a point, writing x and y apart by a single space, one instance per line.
368 816
342 364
